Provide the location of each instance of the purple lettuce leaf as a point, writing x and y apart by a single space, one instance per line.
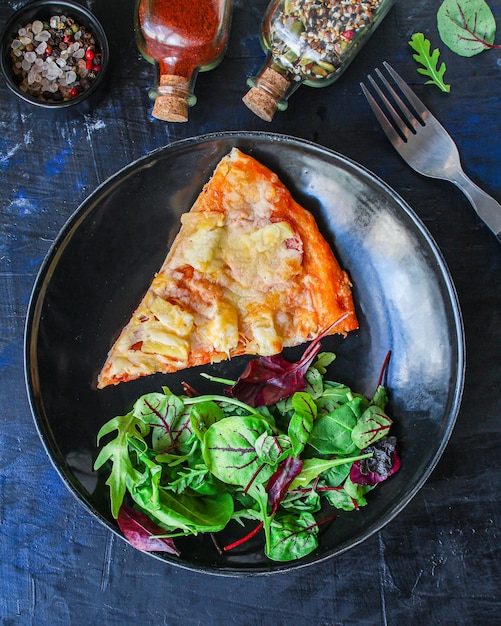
279 483
269 379
139 531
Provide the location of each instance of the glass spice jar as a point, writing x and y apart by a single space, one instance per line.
309 42
183 37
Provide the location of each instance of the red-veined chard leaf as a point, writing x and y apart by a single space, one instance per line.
373 424
331 433
380 398
142 533
170 420
348 497
292 537
272 449
230 452
269 379
467 27
314 383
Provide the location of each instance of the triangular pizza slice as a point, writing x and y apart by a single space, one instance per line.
248 273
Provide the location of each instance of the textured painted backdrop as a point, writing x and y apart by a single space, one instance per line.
439 561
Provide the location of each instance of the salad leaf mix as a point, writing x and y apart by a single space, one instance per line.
282 460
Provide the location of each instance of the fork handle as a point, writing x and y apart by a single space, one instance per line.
488 209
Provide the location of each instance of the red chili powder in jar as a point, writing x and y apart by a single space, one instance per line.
182 35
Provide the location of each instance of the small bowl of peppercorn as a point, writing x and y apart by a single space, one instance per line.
54 55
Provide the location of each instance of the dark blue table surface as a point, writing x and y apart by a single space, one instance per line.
439 561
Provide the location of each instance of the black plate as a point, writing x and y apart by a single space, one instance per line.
106 255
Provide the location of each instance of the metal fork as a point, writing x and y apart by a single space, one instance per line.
425 145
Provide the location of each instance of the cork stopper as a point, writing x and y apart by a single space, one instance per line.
171 104
263 99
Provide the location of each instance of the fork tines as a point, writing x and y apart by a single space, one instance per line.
404 122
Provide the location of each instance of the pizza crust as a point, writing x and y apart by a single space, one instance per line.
248 273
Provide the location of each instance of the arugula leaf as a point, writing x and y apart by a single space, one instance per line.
197 478
422 45
324 359
258 492
467 27
117 451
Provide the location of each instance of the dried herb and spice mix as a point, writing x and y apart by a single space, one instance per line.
310 42
310 38
55 60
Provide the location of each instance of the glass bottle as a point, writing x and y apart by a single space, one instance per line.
308 42
183 37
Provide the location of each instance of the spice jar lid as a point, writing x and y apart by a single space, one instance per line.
263 99
171 103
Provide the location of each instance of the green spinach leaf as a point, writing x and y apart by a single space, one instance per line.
203 415
331 433
301 423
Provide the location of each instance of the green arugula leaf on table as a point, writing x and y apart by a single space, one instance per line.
429 60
